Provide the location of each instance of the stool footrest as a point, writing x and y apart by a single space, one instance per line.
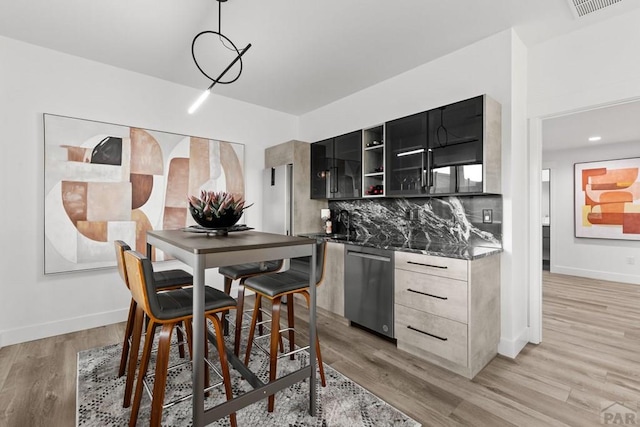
249 312
257 344
154 349
186 396
298 350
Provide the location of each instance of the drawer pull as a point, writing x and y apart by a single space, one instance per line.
426 333
428 265
429 295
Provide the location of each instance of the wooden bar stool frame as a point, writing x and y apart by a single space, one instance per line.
131 342
240 311
276 333
137 281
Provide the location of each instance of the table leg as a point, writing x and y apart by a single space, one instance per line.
312 333
198 343
225 314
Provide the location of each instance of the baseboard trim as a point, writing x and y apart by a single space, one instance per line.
596 274
65 326
511 348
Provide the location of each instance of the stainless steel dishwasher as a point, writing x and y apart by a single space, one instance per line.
368 288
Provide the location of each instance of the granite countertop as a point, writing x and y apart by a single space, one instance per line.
446 250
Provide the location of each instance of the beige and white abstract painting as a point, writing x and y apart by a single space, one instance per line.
106 182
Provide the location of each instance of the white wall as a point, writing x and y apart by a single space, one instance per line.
595 258
595 66
516 238
495 66
34 81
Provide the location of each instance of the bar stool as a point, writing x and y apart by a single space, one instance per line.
163 280
243 272
167 309
274 287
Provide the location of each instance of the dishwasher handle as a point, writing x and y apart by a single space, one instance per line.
369 256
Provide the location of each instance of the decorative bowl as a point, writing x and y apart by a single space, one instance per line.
226 220
216 210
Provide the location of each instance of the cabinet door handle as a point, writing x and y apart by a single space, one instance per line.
334 186
423 176
429 295
428 265
427 333
426 179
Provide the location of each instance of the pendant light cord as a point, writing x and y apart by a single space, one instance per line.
220 28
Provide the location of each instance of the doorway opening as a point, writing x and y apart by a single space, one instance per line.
558 142
546 222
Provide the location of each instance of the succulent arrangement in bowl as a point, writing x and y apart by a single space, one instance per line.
217 209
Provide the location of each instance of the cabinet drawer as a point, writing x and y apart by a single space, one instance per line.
443 337
437 295
438 266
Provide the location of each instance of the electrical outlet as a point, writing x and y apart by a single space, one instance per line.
487 216
631 260
412 214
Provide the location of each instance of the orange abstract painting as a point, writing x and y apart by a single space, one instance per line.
607 199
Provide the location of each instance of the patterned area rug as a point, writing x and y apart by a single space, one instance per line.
341 403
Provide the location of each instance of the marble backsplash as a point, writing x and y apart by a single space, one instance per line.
447 220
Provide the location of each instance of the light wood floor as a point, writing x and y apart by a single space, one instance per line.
590 355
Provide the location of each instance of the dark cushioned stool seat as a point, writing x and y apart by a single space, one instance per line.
179 302
172 278
275 284
239 271
242 271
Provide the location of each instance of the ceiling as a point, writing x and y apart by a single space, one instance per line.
304 54
614 124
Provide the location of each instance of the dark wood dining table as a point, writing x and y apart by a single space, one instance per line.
202 251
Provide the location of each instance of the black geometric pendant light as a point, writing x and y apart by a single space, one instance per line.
225 41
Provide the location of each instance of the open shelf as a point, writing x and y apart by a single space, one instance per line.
373 161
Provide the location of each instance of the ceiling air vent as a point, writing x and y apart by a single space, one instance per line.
581 8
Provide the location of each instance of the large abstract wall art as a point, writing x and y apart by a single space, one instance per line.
106 182
607 199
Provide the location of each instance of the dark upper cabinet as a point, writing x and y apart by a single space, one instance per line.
454 149
406 147
321 165
336 167
347 158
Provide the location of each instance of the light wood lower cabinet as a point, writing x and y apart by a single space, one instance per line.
447 311
438 295
330 294
438 335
